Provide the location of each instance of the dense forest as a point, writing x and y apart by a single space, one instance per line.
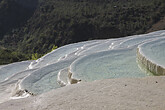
36 26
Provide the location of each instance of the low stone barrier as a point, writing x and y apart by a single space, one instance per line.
154 68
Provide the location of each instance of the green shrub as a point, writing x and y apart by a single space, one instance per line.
35 56
54 47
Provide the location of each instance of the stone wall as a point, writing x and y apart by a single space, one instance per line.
156 69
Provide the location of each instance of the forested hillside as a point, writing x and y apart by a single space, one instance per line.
14 14
33 26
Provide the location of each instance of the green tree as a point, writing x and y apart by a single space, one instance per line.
54 47
35 56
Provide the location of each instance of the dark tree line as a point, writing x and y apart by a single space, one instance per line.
60 22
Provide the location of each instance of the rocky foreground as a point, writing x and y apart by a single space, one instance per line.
111 94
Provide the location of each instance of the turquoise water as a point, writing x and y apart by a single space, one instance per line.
107 64
11 69
45 79
88 61
155 51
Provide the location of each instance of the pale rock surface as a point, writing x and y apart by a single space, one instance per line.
146 93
